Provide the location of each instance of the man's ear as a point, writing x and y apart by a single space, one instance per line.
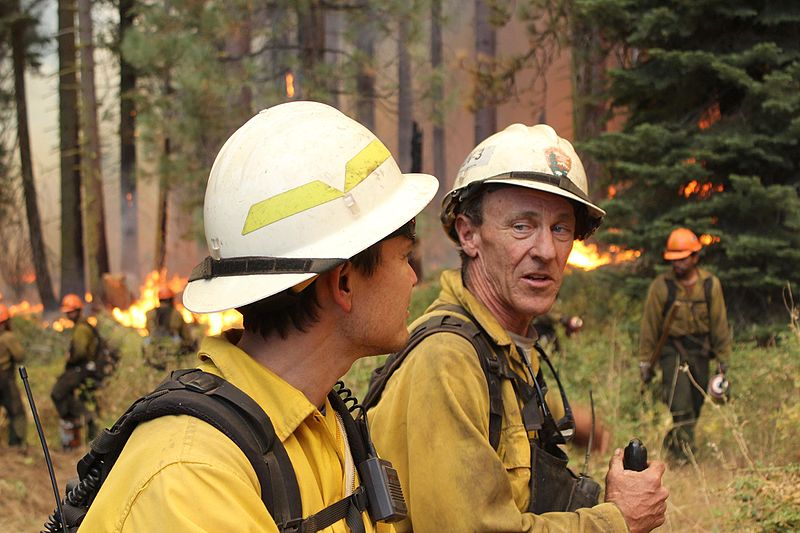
338 283
468 236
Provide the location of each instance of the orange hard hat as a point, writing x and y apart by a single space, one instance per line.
680 244
71 302
4 314
165 293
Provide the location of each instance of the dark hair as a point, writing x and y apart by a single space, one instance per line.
299 310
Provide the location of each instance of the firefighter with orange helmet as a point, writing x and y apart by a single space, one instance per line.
169 335
73 408
11 353
685 321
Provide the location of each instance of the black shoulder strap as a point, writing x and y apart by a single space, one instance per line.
451 322
672 291
707 284
229 410
223 406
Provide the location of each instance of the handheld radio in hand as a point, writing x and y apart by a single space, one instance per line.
635 456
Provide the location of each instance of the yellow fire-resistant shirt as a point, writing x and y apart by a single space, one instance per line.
692 315
11 351
432 423
178 473
83 344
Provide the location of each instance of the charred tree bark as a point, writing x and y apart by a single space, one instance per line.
94 209
43 283
72 267
127 149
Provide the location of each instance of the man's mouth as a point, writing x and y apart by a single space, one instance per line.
538 279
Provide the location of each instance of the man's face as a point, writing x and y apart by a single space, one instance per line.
74 315
519 252
684 267
381 301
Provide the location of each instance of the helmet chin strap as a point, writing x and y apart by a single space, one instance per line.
253 265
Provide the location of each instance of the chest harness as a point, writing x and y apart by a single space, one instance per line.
553 486
701 342
219 403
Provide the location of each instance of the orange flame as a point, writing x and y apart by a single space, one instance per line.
135 316
589 257
709 117
701 190
289 77
612 191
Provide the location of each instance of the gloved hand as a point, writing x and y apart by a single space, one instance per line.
646 372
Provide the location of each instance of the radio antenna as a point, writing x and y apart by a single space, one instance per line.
23 373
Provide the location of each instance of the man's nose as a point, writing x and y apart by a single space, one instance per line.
543 246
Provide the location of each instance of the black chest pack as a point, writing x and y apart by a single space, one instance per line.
553 486
219 403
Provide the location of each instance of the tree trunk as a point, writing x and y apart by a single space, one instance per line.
127 151
43 284
237 48
365 79
589 55
72 267
405 98
437 102
485 46
311 40
94 210
160 257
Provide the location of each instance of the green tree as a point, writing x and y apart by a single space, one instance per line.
711 95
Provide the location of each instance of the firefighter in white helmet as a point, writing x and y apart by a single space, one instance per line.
471 412
309 224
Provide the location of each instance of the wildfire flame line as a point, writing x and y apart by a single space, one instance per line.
135 316
589 257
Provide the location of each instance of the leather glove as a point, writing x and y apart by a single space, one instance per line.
646 372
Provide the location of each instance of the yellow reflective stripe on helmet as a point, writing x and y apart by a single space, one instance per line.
315 193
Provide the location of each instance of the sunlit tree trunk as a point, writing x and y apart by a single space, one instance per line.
72 266
43 284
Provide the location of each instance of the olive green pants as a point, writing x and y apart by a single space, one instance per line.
11 401
684 398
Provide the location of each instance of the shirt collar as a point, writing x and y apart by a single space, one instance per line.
286 406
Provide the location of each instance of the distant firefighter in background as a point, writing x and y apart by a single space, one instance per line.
684 326
170 337
11 354
72 393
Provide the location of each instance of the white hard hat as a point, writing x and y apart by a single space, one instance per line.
534 157
298 189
